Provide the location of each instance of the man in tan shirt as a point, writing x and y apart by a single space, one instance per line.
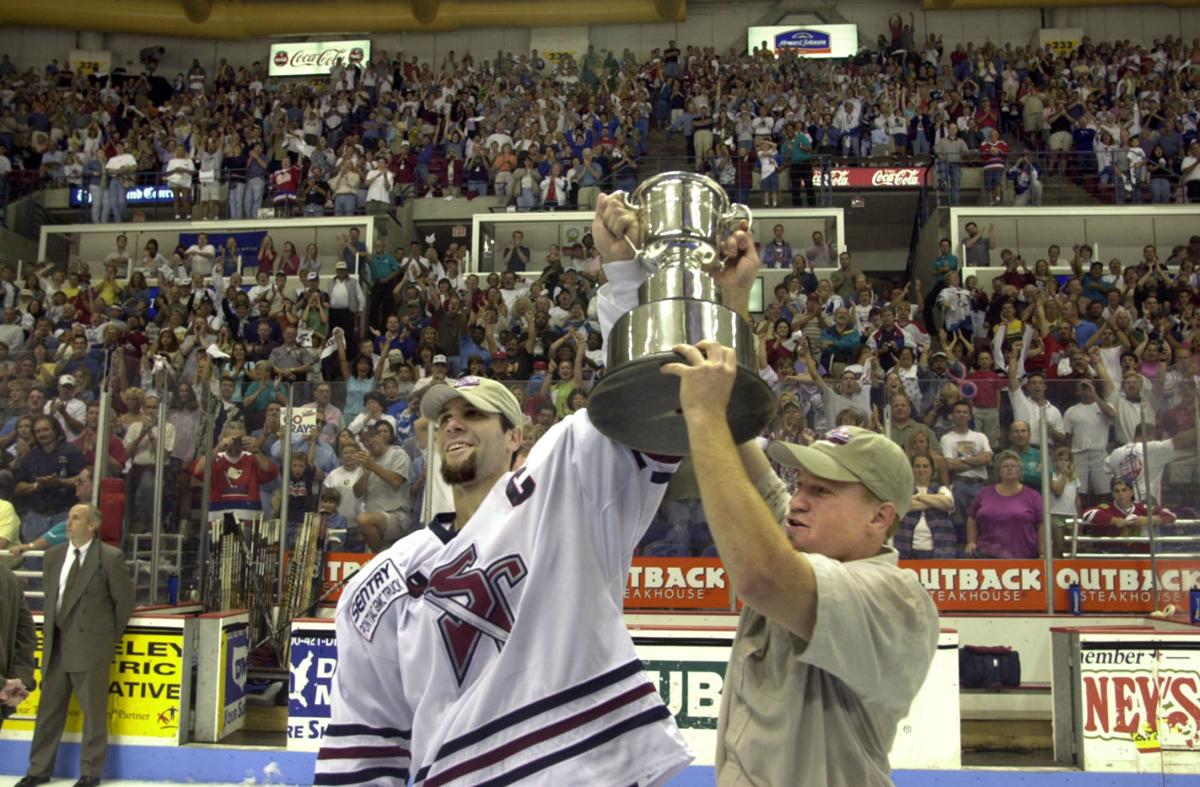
835 639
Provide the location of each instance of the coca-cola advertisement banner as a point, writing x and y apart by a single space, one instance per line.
316 57
874 177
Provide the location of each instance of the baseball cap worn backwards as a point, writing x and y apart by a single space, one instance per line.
851 454
489 396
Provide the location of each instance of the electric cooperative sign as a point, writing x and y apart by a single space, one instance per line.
147 705
818 41
316 57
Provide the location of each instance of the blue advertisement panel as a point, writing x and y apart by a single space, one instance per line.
134 195
313 662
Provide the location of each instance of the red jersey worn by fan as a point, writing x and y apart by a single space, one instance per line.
235 484
1110 520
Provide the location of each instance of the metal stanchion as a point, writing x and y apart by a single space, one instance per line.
206 541
433 466
1047 527
159 481
1150 503
285 469
100 461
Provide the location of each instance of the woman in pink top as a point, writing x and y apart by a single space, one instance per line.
1005 520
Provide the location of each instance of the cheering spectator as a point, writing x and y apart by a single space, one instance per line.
179 171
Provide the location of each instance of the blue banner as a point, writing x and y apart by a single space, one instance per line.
134 195
313 662
812 42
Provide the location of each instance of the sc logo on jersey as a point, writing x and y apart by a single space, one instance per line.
474 602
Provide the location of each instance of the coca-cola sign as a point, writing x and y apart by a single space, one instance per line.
316 57
874 177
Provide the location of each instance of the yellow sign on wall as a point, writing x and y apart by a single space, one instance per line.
145 691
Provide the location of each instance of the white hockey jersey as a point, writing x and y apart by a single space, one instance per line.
500 654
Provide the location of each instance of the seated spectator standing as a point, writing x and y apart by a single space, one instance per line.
927 531
777 253
1029 454
45 478
239 469
67 409
968 455
1005 520
515 257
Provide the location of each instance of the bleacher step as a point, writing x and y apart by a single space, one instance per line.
1007 734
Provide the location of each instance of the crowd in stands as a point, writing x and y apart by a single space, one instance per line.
957 375
542 134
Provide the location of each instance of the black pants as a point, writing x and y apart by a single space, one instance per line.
801 176
930 302
379 304
344 319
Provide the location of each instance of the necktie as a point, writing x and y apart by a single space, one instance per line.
72 575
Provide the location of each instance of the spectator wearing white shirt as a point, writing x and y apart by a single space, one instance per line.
121 169
554 188
200 256
1086 423
1027 404
1131 402
69 411
1190 173
1129 461
379 183
179 172
968 455
344 478
119 257
345 302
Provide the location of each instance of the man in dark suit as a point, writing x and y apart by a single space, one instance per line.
17 641
89 599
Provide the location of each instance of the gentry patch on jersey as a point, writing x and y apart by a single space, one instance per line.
500 654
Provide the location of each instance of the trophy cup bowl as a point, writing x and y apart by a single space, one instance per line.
684 217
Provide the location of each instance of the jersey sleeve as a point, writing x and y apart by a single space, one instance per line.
614 490
368 738
619 293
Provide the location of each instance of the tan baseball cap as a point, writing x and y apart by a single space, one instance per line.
488 395
852 454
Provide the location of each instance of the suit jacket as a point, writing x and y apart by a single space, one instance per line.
18 638
94 612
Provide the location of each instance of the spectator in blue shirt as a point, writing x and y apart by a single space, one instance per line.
777 252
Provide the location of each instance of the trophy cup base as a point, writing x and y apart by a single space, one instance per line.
638 406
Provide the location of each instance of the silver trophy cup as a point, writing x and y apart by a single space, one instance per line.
684 217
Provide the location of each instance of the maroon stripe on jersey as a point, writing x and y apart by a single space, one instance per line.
360 752
535 737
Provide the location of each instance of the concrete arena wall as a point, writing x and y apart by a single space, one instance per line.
717 24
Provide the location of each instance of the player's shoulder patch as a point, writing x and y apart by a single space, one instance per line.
375 591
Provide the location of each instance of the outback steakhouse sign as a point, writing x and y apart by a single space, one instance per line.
874 177
316 57
1106 585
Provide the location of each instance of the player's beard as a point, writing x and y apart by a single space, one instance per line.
464 472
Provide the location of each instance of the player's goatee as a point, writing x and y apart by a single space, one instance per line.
462 473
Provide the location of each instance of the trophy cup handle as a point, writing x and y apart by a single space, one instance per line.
737 211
